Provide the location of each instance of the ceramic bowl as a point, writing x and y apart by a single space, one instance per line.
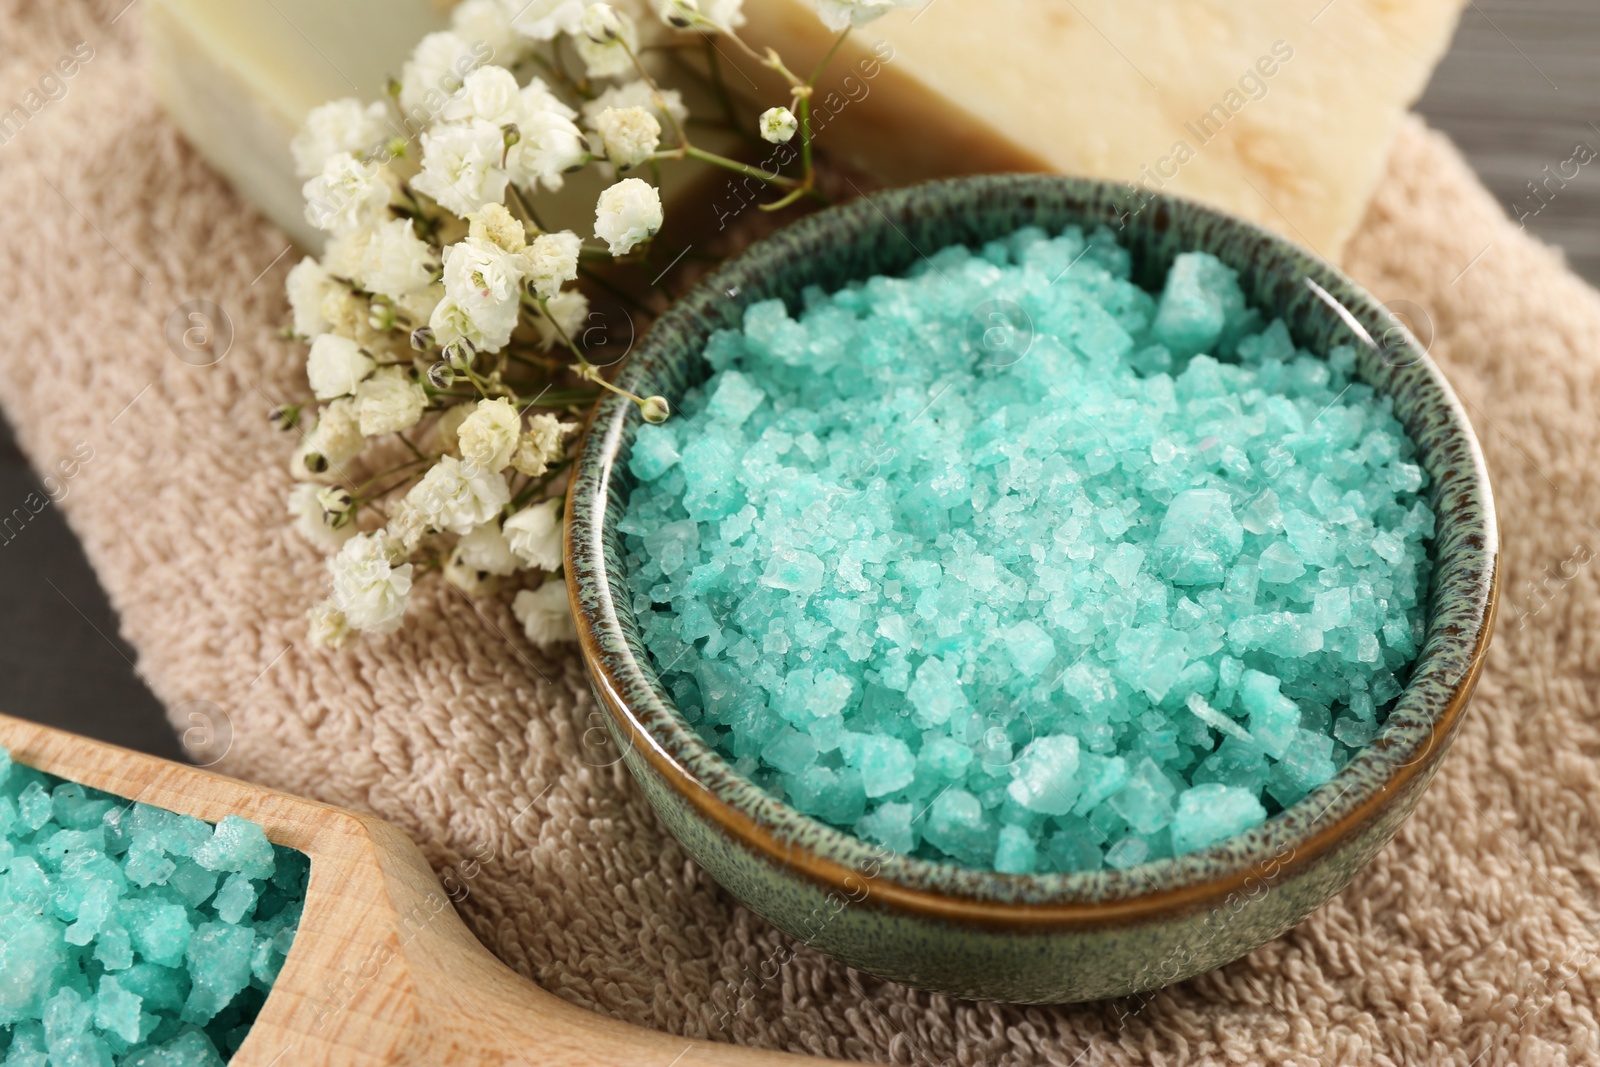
1050 937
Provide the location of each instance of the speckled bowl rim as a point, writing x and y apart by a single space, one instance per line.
1464 599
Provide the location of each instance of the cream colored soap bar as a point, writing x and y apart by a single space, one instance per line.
1278 110
239 78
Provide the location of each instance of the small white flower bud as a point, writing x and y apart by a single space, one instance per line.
778 125
655 409
336 504
422 338
602 23
680 13
608 43
441 375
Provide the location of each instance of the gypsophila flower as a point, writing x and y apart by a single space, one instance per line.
489 22
545 614
548 142
667 106
327 626
461 166
337 504
680 14
552 260
840 15
534 534
388 402
630 135
338 432
436 69
423 309
349 194
336 366
564 318
418 307
343 254
543 20
655 409
368 587
331 439
454 498
609 41
499 227
396 262
488 93
311 518
489 435
692 14
308 285
778 125
541 445
485 549
627 214
482 287
602 22
537 96
407 525
340 126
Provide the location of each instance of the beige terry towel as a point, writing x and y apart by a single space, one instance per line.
1472 938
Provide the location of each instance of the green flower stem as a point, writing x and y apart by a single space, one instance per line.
415 451
734 165
822 64
586 370
805 140
660 100
530 216
544 363
477 383
770 59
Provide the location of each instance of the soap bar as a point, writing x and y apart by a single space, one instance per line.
239 79
1280 112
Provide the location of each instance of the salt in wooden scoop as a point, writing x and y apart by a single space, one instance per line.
383 971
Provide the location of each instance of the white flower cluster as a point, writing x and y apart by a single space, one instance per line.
444 326
466 492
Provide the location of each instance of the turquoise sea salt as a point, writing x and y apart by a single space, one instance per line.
1013 563
131 936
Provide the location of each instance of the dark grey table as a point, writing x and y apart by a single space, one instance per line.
1519 92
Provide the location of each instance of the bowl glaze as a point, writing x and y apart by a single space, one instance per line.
1051 937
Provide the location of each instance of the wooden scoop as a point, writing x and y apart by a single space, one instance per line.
383 971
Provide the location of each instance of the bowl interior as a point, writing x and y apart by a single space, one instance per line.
886 233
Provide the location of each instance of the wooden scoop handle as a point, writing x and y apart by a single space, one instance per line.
383 971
